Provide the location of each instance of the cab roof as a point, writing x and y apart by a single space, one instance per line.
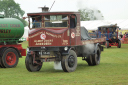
53 13
108 26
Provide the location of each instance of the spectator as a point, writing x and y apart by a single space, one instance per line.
123 39
126 34
120 35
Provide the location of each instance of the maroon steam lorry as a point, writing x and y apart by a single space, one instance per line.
57 36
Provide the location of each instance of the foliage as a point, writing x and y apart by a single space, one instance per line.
12 10
90 14
113 70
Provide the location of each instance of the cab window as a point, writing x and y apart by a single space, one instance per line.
35 22
56 21
73 21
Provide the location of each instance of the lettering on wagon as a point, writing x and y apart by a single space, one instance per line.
15 25
35 35
53 35
5 30
11 25
47 33
3 25
43 42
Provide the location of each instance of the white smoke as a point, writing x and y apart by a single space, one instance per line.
88 48
98 14
93 12
57 65
81 4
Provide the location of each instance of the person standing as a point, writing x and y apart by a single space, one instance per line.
123 38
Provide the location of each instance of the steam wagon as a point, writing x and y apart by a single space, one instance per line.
111 34
57 36
11 30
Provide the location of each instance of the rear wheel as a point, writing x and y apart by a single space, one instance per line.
89 60
94 59
119 44
107 44
32 67
69 62
9 58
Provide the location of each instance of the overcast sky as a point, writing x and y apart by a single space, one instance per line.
111 9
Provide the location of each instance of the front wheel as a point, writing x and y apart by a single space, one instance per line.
32 67
96 57
69 62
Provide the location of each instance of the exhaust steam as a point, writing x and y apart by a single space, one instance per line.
57 65
88 49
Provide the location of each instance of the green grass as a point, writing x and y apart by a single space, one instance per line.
113 70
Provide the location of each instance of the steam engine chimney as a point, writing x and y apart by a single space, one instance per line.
44 9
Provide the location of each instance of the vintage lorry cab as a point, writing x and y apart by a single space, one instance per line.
57 36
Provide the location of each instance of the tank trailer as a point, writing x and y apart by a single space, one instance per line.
11 30
57 36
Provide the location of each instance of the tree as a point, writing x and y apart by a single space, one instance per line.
12 10
90 14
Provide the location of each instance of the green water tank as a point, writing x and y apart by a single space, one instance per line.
11 28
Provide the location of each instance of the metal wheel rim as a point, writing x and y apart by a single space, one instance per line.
10 58
71 61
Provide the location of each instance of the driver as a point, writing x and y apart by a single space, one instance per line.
36 22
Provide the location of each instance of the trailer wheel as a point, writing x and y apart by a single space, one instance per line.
119 44
107 44
30 66
69 62
1 53
10 58
96 57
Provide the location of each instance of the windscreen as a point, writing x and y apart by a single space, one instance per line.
107 29
56 21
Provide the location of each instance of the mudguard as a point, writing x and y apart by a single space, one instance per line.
66 52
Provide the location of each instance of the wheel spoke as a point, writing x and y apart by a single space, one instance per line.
71 61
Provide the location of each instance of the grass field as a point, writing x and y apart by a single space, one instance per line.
113 70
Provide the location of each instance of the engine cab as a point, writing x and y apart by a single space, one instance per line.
54 29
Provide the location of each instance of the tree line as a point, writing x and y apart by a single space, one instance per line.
11 9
